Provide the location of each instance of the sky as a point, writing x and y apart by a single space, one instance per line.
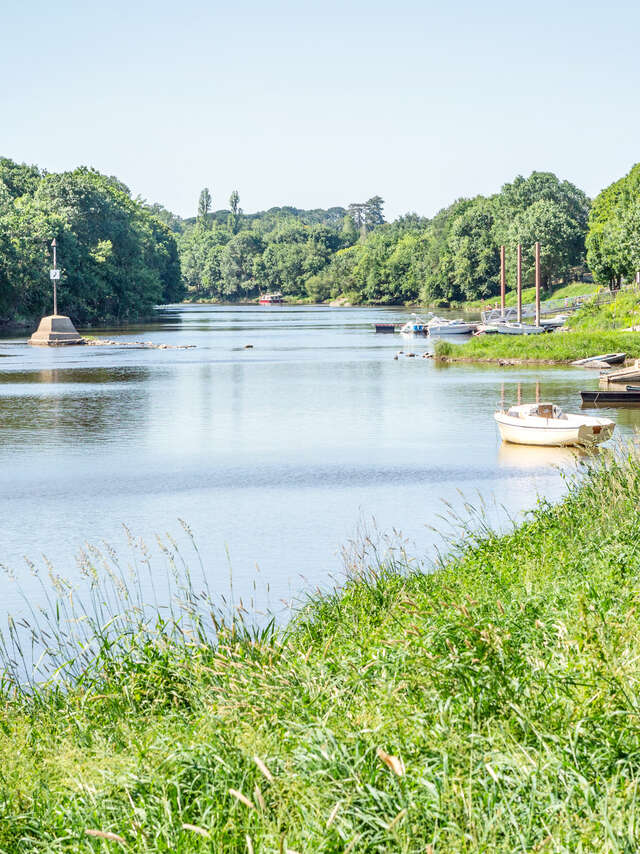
322 103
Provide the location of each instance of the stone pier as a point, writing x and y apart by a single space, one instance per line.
56 330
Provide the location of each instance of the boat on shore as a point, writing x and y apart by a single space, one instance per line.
515 328
546 424
442 326
599 361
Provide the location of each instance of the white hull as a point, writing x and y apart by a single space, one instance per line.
452 329
521 425
514 329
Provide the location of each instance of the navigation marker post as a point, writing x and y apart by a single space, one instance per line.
55 329
54 275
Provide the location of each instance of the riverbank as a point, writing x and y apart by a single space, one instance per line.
551 348
489 706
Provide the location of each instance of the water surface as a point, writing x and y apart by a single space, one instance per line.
275 454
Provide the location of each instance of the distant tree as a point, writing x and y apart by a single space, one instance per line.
357 214
204 206
235 212
373 216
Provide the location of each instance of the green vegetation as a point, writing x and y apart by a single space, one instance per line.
489 706
117 259
622 313
555 346
613 242
322 255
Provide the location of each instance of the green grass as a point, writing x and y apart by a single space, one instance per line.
490 706
573 289
555 346
620 314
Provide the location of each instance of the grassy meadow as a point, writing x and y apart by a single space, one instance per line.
573 289
489 706
554 346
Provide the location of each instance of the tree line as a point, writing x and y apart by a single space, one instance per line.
121 256
117 258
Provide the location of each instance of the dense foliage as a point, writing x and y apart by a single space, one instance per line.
455 255
613 242
321 255
117 258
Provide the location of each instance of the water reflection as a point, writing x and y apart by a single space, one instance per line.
539 457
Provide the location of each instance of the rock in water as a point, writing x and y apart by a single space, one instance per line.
56 330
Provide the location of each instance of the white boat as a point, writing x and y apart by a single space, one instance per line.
417 326
547 424
555 322
597 361
516 328
442 326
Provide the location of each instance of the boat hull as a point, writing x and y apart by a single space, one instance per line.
457 329
553 436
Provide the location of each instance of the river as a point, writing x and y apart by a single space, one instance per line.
275 455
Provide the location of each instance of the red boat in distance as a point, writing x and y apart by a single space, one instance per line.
271 299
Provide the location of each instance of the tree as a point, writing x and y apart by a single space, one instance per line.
611 239
235 212
204 206
373 215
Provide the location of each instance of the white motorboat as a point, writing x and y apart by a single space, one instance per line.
417 326
547 424
516 328
442 326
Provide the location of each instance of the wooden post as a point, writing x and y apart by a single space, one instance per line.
537 284
519 283
537 391
503 283
519 393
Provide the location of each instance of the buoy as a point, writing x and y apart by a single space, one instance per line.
248 346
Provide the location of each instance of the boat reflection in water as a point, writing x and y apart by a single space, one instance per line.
541 456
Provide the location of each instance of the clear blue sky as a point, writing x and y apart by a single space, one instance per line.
322 103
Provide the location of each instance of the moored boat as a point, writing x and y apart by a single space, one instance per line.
271 299
417 326
442 326
516 328
546 424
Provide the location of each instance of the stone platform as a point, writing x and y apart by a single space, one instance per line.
56 330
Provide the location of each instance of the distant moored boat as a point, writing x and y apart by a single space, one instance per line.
271 299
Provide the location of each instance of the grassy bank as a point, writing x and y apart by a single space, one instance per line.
622 313
573 289
552 347
492 706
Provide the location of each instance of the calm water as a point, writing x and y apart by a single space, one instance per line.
274 455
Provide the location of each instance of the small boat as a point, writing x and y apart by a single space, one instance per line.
418 326
623 375
442 326
271 299
631 394
555 322
546 424
609 358
516 328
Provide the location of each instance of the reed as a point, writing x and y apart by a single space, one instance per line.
489 705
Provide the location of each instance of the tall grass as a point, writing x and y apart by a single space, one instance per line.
492 705
556 346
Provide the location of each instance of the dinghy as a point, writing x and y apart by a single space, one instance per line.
596 361
546 424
